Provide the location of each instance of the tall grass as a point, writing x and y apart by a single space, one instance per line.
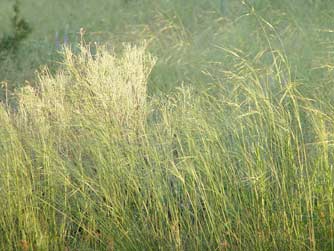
90 162
92 158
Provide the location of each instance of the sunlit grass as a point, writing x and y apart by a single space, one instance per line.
88 161
220 141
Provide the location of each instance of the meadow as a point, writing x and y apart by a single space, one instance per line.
167 125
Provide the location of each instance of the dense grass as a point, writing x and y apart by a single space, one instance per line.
216 133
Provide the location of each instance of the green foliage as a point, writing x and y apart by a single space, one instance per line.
20 30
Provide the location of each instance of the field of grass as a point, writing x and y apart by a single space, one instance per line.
168 125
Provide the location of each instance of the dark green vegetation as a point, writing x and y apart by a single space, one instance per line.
20 30
214 130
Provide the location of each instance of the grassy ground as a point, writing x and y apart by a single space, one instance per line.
211 128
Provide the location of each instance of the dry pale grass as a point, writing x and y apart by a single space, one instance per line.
112 87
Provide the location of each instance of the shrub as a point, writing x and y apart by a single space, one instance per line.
20 31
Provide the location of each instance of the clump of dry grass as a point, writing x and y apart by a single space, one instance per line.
101 85
97 99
